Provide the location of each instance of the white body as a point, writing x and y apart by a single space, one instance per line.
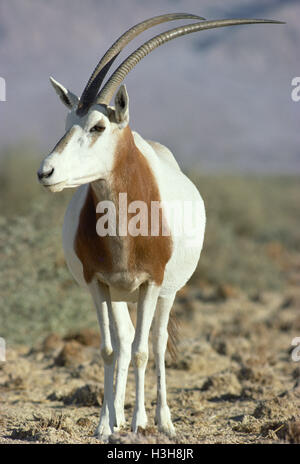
87 154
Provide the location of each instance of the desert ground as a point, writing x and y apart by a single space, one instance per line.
234 379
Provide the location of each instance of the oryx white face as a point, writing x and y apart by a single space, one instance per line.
86 152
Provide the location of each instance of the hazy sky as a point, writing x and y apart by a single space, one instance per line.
219 99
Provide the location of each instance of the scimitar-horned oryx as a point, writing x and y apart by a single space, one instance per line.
127 258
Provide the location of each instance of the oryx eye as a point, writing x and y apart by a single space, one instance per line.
97 128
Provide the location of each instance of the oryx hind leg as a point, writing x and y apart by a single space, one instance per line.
160 339
148 294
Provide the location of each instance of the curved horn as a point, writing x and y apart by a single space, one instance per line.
99 73
118 76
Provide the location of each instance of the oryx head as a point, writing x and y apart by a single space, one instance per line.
86 151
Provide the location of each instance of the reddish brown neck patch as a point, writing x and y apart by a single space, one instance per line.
92 250
149 255
133 175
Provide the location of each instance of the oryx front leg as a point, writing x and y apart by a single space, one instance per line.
148 295
101 297
160 338
124 331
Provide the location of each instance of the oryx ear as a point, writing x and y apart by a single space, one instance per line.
68 98
122 106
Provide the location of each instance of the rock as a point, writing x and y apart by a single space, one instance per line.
290 432
225 291
84 422
88 395
223 383
52 343
86 337
248 424
278 408
70 355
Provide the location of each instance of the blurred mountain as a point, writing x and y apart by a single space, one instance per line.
221 100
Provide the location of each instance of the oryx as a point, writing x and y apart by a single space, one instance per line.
101 155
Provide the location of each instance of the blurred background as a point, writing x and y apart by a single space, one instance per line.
219 99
